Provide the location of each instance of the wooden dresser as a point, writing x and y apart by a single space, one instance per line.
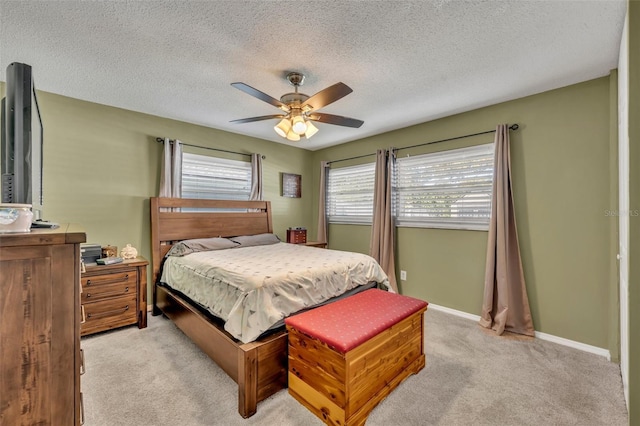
114 295
296 236
40 359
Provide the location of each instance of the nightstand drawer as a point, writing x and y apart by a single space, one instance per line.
110 313
95 293
123 278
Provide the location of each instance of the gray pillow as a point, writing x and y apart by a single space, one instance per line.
256 240
201 244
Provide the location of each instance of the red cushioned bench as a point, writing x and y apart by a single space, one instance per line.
346 357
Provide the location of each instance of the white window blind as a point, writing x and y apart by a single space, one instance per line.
215 178
350 194
449 189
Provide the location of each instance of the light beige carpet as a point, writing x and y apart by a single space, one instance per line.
157 376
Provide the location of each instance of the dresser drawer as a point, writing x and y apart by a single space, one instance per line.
109 313
124 278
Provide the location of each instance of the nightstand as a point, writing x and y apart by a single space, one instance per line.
316 244
114 296
296 236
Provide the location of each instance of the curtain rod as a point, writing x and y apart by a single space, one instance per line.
161 140
512 127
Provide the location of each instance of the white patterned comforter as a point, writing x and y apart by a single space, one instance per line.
253 288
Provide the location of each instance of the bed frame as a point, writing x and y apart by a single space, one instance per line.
259 368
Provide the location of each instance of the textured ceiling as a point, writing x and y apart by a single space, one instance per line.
407 61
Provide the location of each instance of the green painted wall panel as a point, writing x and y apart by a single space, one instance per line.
350 238
449 273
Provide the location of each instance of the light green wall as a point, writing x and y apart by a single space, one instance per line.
634 205
562 172
101 165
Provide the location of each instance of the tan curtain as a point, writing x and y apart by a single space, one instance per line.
256 177
322 203
171 170
505 306
382 244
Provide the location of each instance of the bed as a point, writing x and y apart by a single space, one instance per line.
257 364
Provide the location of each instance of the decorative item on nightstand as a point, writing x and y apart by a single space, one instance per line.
109 251
90 253
129 252
297 235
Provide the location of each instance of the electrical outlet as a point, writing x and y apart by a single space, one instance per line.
403 275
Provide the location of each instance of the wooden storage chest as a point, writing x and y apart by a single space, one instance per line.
346 357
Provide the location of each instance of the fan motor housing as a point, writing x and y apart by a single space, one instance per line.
293 98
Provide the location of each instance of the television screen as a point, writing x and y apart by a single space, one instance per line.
22 137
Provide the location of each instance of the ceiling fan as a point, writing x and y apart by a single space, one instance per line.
300 109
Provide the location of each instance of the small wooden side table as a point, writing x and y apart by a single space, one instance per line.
296 236
114 296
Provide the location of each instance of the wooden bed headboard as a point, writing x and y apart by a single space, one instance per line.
170 224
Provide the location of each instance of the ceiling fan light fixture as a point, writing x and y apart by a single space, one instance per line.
283 127
293 136
299 125
311 130
300 109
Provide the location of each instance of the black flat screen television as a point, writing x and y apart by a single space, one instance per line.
21 147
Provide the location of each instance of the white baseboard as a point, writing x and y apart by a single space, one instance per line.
542 336
573 344
455 312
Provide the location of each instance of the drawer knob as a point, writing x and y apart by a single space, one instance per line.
88 282
88 295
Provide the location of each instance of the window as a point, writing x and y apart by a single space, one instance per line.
449 189
215 178
350 194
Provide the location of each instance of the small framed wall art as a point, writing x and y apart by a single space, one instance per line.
291 185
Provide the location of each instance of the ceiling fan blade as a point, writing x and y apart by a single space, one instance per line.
326 96
262 117
260 95
336 119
